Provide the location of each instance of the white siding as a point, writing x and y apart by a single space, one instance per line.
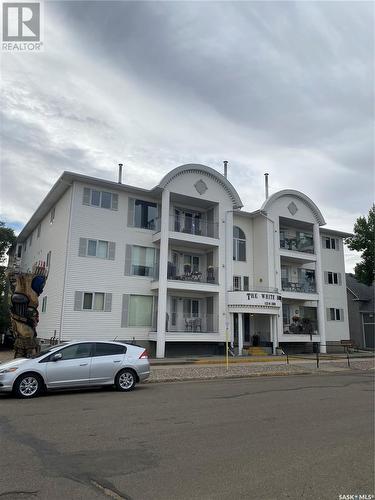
53 238
101 275
335 295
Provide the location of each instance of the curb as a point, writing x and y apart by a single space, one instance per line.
248 375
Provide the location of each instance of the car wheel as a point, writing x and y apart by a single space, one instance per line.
28 385
125 380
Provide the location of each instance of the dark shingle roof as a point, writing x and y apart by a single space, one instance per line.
363 293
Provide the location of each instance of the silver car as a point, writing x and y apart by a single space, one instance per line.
76 364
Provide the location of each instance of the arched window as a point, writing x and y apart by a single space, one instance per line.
239 244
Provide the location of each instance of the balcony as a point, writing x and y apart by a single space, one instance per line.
195 226
303 243
299 320
209 275
191 323
301 326
303 286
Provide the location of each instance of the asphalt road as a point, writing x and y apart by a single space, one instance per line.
295 437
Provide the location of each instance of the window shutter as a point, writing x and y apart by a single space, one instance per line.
86 196
326 277
339 279
337 247
114 201
111 250
78 301
131 203
82 247
125 311
108 302
128 260
341 314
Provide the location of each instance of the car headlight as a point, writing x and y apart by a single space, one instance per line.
9 370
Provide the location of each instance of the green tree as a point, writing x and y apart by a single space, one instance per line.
7 239
363 241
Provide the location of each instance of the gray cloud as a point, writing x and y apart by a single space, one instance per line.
281 87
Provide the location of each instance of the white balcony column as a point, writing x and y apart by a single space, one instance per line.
231 331
240 333
163 268
274 338
226 271
319 289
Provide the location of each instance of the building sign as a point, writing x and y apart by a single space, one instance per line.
263 299
254 299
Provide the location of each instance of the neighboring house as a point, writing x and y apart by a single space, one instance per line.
180 267
361 309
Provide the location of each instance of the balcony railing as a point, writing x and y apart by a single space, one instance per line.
303 326
187 322
209 275
265 289
190 225
299 286
298 244
192 323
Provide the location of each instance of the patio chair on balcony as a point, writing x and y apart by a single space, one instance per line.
197 324
188 325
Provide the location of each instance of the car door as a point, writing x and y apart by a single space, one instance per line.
73 369
106 362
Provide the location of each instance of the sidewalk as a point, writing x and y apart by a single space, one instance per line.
179 369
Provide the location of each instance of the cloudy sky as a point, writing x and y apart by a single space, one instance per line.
278 87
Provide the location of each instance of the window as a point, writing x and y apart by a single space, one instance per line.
236 283
140 310
246 283
286 314
48 260
97 248
52 216
102 349
101 199
76 351
191 263
142 263
191 308
331 243
38 231
239 244
44 304
331 278
145 214
335 314
93 301
19 251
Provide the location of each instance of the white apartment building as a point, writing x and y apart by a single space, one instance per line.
180 268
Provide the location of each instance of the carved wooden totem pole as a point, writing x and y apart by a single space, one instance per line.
25 290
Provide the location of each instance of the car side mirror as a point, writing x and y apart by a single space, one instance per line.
56 356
